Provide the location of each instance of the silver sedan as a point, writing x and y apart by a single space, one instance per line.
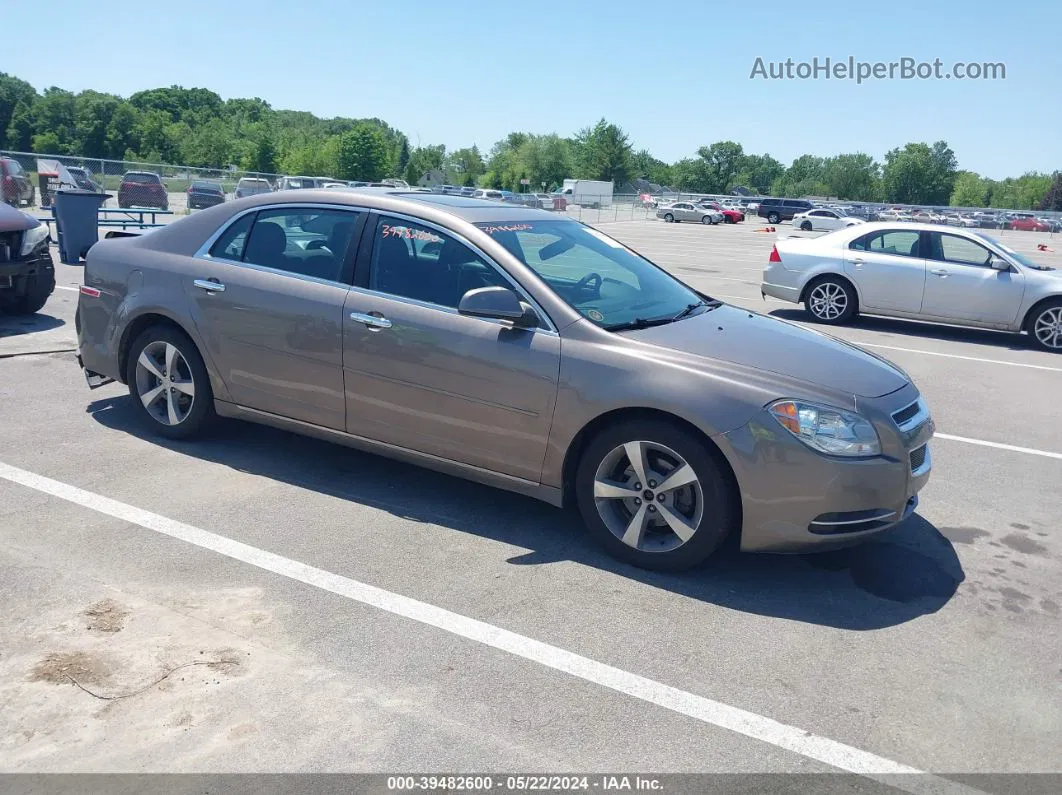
687 211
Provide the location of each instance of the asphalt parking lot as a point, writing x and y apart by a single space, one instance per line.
264 602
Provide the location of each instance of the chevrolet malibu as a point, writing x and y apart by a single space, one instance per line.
504 345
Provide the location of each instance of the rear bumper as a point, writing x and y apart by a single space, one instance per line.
781 292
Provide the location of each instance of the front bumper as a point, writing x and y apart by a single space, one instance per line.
797 500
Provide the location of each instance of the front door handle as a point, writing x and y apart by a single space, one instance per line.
857 261
372 321
939 272
210 285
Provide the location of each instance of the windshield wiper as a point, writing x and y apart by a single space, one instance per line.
637 323
691 307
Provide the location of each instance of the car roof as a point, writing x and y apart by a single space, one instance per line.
431 206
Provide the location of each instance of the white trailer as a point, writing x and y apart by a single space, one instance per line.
587 192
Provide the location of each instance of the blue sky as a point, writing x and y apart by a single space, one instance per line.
465 71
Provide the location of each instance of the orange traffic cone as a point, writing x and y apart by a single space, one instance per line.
1043 247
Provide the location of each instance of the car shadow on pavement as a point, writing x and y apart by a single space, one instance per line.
14 325
910 571
915 330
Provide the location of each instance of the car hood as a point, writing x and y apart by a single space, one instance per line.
12 220
764 343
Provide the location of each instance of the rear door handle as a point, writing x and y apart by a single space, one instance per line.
939 272
372 321
210 285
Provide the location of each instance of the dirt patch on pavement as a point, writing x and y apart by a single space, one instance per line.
60 667
106 616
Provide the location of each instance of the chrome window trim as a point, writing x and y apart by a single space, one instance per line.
460 238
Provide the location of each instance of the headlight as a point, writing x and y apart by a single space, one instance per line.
32 238
827 430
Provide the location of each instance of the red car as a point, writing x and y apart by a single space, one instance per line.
1029 223
729 216
142 189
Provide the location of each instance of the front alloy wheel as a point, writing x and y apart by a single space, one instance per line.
654 495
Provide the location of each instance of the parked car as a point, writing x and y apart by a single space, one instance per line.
296 183
894 215
824 220
626 397
15 187
927 217
27 274
205 193
84 179
1027 222
142 189
778 210
467 191
918 271
488 193
688 211
730 215
253 186
547 201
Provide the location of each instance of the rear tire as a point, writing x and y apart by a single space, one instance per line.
805 226
831 299
773 218
161 395
703 507
669 218
1045 326
707 219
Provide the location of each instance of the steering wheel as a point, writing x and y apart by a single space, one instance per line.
590 278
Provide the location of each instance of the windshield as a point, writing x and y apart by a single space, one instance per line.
1021 258
600 278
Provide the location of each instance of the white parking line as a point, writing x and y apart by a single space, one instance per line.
998 445
957 356
64 287
715 713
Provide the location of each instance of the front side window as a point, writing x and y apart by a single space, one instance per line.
306 241
900 242
958 250
599 277
415 261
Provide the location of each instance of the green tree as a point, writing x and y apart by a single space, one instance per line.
20 130
1026 192
970 190
403 157
363 153
603 152
465 164
423 159
13 94
208 145
722 162
853 176
1053 199
263 155
121 131
53 119
92 118
758 172
920 174
542 159
157 140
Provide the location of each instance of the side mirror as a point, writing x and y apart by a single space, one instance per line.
498 303
999 264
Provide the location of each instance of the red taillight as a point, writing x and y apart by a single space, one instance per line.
774 255
91 292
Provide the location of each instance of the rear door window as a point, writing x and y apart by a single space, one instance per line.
898 242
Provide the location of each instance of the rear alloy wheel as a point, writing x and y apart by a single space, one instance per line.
669 218
1045 327
653 495
773 218
805 226
169 383
831 300
707 219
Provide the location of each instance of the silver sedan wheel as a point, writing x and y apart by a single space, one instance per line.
1048 328
648 496
164 383
827 301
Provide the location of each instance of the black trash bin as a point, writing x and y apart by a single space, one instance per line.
76 222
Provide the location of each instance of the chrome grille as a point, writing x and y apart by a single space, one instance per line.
918 457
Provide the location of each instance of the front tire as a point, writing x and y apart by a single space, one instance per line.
39 288
169 384
669 218
831 300
1045 327
773 218
707 220
654 495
